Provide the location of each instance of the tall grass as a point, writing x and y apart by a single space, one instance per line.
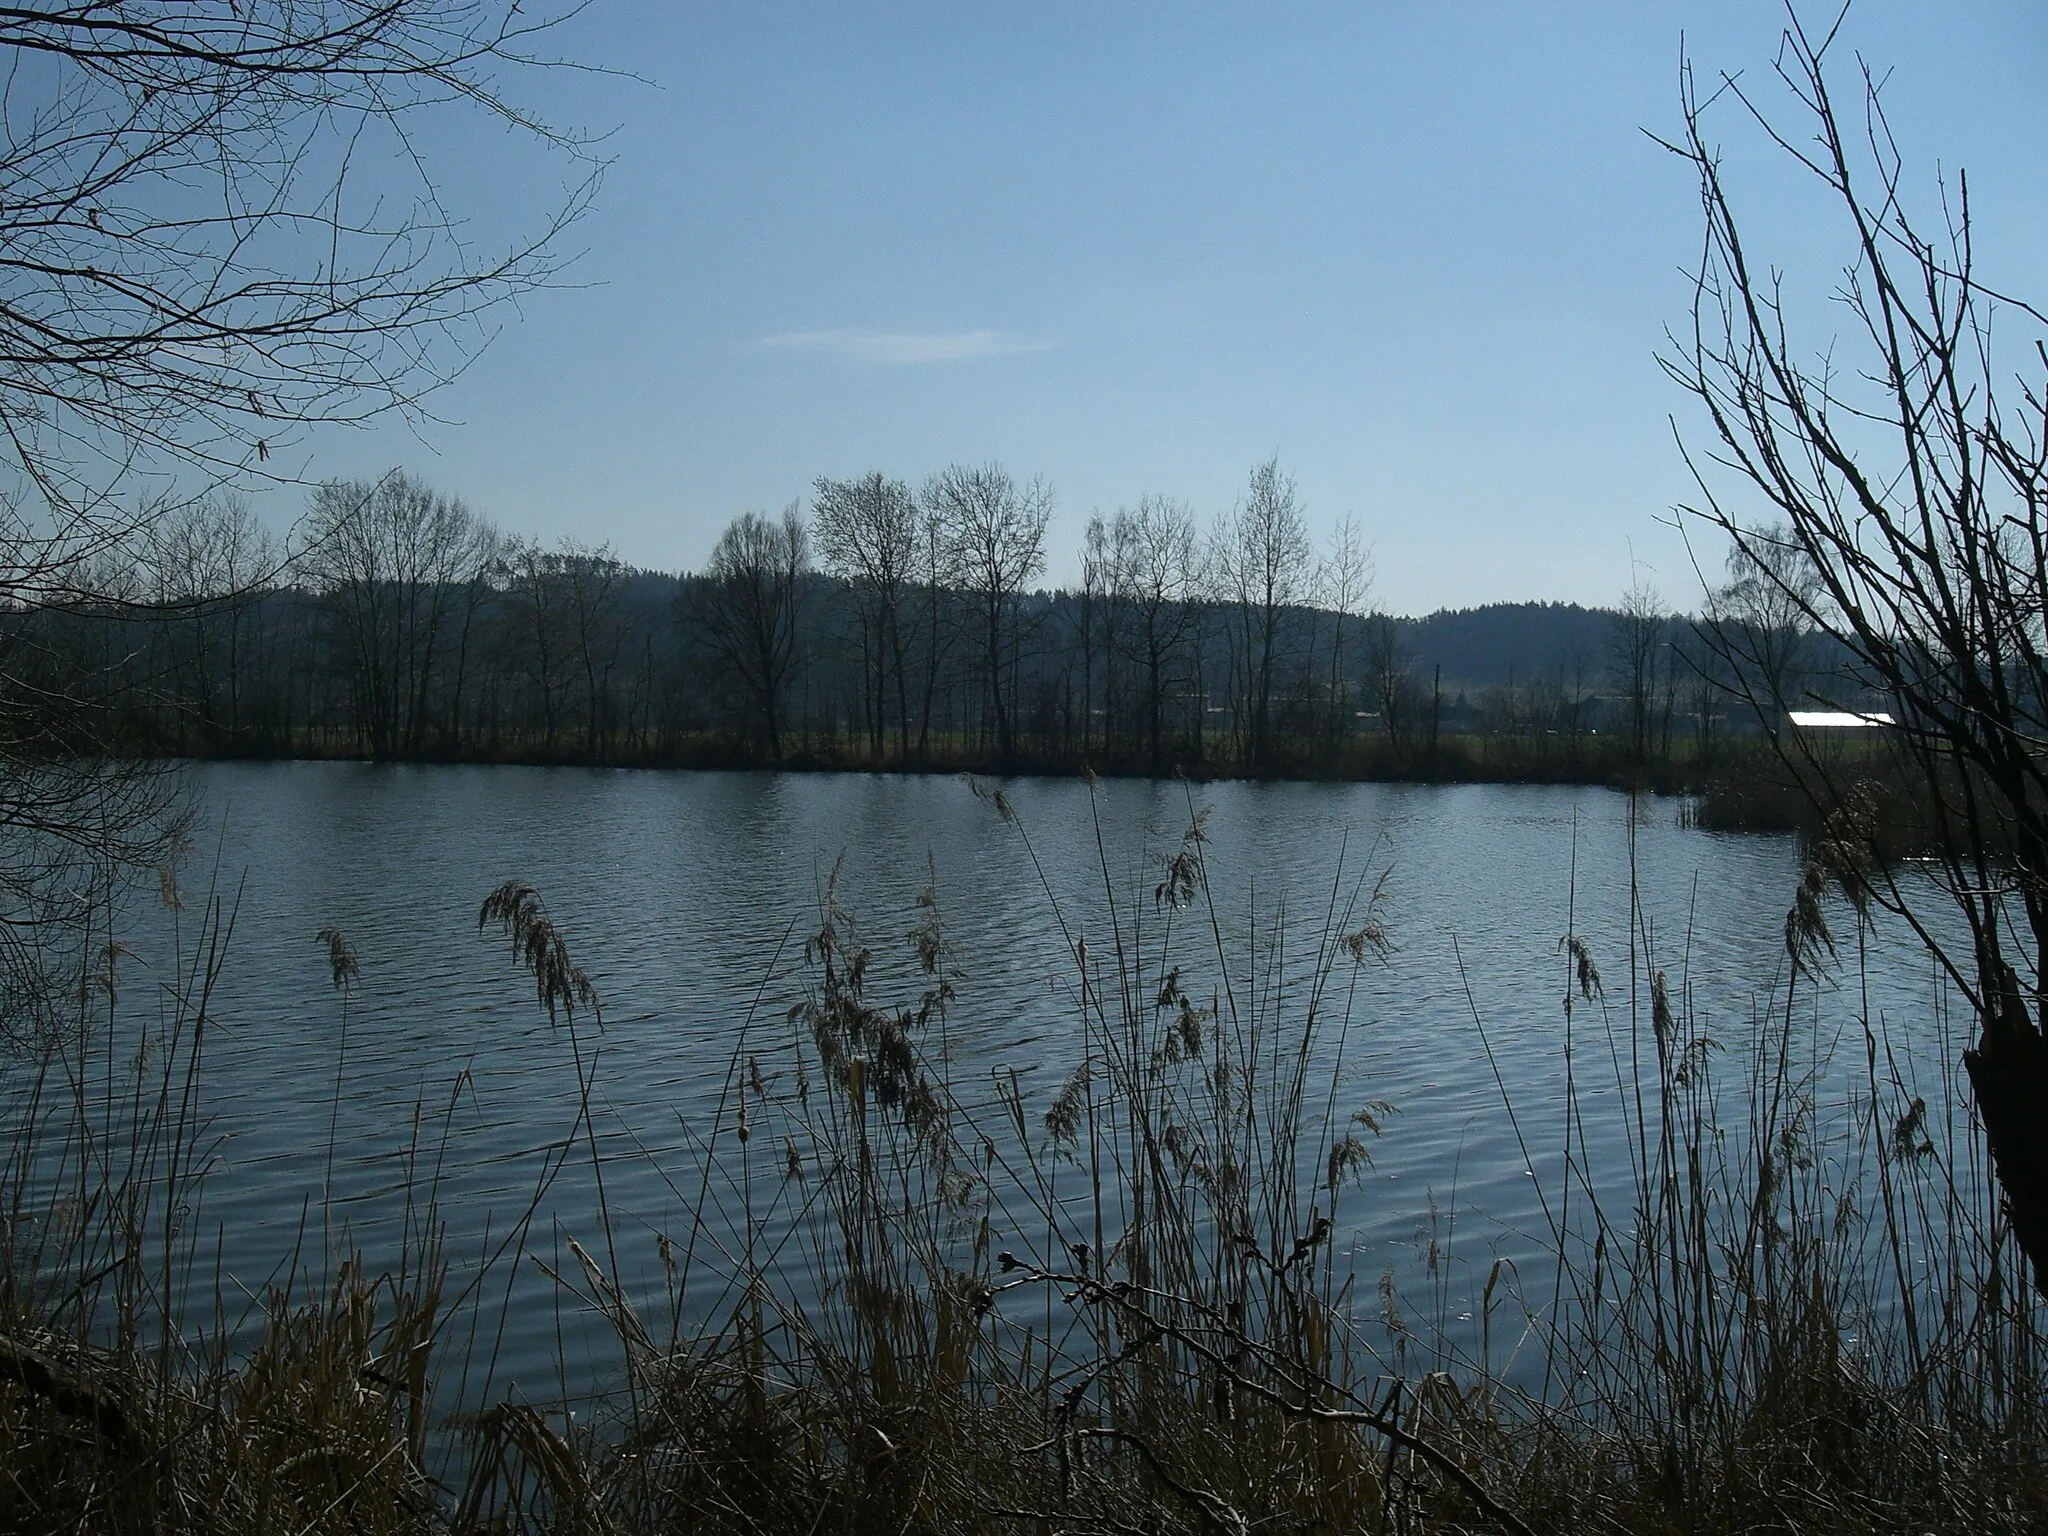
893 1299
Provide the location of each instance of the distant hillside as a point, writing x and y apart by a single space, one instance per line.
1503 642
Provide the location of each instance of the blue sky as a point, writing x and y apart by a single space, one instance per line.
1425 253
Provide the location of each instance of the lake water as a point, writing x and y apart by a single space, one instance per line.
687 898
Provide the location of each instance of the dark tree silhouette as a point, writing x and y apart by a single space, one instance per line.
995 530
1909 488
748 605
218 225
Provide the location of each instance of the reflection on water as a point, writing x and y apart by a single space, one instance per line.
687 897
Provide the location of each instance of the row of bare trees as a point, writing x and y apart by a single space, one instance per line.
404 626
1166 619
883 625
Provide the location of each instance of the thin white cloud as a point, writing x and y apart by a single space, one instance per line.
904 346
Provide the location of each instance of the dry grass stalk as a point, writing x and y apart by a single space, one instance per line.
897 1308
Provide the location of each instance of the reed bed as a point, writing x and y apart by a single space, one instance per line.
891 1300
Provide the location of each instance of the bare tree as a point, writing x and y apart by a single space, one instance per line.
487 567
391 557
867 533
748 604
1389 674
1757 623
536 614
1162 573
995 530
208 562
1265 563
932 594
1637 645
219 227
565 632
1911 485
1344 583
200 260
1105 578
594 577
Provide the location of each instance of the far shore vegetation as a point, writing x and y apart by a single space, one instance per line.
411 630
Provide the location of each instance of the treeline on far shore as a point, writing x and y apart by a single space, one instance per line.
883 628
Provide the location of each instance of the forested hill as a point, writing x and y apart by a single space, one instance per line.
1506 644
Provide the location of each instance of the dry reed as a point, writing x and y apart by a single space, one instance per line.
899 1302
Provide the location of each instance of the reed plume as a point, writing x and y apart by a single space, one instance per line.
559 983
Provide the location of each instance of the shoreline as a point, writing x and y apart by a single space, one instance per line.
1456 762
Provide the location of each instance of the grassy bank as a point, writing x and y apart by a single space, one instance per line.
1900 808
1453 758
896 1301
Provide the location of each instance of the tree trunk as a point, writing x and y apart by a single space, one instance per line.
2009 1072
